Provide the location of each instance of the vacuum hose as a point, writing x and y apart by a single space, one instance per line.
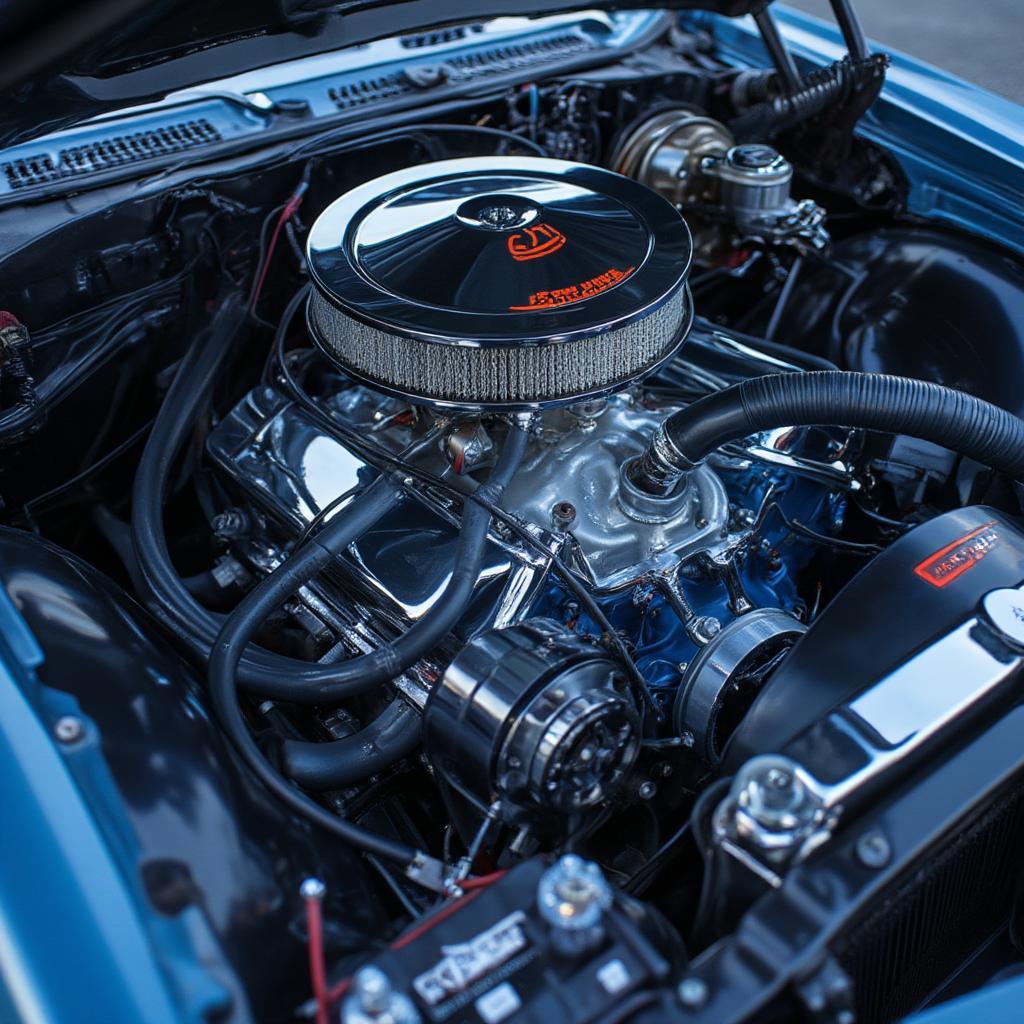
872 401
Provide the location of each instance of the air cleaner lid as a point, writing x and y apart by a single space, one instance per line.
499 250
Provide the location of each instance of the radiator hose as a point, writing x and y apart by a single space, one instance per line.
872 401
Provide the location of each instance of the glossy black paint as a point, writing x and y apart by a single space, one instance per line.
875 623
920 303
203 834
954 833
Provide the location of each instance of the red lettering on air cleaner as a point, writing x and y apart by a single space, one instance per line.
955 559
577 292
533 243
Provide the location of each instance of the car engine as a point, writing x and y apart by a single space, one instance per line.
496 556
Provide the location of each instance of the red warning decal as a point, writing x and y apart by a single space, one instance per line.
577 292
955 559
533 243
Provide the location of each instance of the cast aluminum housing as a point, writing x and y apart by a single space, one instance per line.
499 283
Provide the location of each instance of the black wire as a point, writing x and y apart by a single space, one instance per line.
639 684
881 520
95 467
321 517
261 252
311 144
838 543
709 854
640 879
783 300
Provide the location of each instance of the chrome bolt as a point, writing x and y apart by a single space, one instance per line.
231 524
572 896
778 778
693 993
373 999
563 514
68 729
873 850
704 627
647 790
373 987
769 804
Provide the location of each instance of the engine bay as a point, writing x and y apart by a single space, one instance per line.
552 503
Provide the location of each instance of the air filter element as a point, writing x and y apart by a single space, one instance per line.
504 283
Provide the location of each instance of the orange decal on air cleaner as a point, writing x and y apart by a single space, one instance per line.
576 292
532 243
955 559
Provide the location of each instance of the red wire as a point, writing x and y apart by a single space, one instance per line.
472 887
317 970
482 881
289 209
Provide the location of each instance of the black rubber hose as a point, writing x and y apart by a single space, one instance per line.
428 631
370 670
393 658
162 589
338 680
873 401
268 674
849 25
242 623
263 672
778 50
392 735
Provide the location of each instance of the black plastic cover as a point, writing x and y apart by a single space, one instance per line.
925 304
494 960
925 585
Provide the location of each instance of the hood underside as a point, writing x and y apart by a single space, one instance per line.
62 63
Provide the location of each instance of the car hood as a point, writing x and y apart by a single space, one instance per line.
62 63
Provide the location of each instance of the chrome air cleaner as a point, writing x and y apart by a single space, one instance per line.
504 283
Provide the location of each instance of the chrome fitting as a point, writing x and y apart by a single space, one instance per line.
658 471
572 897
373 1000
772 809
